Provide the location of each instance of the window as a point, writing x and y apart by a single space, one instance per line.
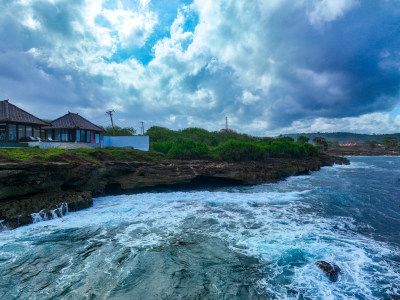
49 134
64 135
78 135
3 132
28 130
88 136
83 136
36 131
57 134
21 131
12 132
71 137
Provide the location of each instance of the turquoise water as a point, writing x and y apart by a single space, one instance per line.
256 242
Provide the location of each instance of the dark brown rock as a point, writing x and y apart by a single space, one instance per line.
331 270
18 212
27 188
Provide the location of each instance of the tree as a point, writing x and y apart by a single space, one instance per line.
321 142
302 139
282 138
119 131
371 144
390 142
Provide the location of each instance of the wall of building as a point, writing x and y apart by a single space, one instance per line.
136 142
63 145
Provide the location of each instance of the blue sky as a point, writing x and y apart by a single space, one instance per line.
272 67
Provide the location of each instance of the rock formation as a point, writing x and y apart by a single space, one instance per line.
34 187
331 270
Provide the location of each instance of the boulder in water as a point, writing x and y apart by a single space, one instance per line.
331 270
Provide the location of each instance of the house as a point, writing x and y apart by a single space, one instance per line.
17 124
73 128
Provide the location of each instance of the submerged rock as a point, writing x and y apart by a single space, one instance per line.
331 270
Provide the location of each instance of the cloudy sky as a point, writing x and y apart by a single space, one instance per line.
271 66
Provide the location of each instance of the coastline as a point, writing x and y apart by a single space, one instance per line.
363 152
39 191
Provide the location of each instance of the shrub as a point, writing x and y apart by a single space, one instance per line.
282 138
240 151
311 150
187 149
287 149
302 139
161 134
162 147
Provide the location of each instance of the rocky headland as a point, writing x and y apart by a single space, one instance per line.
30 190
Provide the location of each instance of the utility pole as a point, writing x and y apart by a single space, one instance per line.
142 127
226 123
110 112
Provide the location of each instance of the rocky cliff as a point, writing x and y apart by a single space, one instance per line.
48 189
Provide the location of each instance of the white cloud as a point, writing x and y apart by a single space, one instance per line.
368 123
133 28
330 10
249 98
236 62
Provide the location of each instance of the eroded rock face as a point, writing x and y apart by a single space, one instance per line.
27 188
331 270
23 211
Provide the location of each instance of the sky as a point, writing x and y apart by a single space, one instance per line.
270 66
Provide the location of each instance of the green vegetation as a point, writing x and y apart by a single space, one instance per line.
301 139
190 143
187 149
226 145
96 156
390 142
118 131
321 142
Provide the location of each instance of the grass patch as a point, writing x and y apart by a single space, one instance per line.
95 156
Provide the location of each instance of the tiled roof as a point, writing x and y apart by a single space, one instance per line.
73 121
12 113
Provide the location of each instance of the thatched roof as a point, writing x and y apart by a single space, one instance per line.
73 121
11 113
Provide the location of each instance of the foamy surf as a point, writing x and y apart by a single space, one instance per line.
235 243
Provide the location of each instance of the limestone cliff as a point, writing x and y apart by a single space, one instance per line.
27 188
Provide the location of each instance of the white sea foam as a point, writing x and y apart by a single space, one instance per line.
273 223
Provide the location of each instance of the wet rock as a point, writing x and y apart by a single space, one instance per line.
30 187
331 270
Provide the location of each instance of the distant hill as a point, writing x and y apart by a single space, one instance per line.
345 137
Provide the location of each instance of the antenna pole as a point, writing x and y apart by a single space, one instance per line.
142 127
110 112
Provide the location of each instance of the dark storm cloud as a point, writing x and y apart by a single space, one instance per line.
265 63
335 69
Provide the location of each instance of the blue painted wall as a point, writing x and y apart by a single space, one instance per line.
137 142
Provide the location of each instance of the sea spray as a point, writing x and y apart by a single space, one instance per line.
58 212
235 242
2 226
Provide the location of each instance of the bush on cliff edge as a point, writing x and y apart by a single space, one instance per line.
187 149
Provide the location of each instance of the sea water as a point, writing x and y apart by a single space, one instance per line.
258 242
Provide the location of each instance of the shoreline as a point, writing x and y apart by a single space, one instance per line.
363 152
39 191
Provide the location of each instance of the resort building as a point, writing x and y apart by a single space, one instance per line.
73 128
18 125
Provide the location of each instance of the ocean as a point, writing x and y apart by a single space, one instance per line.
255 242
